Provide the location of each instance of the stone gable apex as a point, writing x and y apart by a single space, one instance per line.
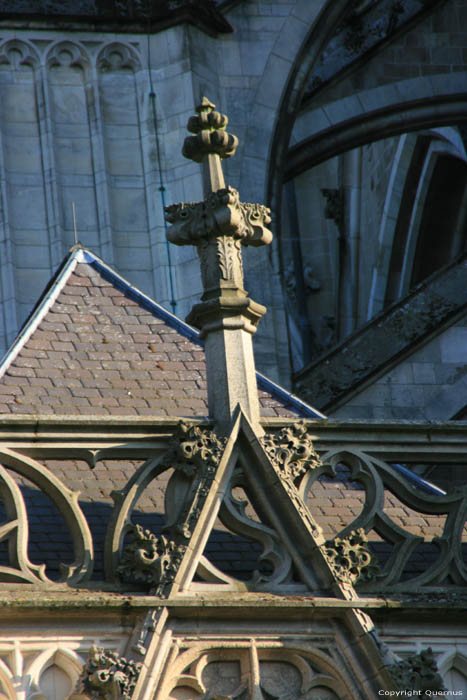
95 345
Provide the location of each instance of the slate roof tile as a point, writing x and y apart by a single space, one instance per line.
97 349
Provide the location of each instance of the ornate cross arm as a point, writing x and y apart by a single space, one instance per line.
220 214
219 226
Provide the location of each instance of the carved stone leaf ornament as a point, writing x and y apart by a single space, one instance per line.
149 559
418 672
351 558
194 448
291 449
220 214
108 675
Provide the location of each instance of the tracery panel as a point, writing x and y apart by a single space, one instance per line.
252 670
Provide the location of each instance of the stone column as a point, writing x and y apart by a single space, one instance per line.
219 226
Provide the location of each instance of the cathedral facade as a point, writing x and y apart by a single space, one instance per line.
352 130
173 523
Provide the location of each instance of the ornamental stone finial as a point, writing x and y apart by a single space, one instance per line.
219 226
211 143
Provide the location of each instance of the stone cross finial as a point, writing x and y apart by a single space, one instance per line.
219 226
211 142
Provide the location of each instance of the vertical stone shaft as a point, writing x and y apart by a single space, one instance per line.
219 226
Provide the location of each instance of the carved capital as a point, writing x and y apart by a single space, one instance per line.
351 558
220 214
291 449
417 672
108 675
210 135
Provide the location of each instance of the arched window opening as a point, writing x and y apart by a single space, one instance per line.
443 231
399 247
455 679
55 684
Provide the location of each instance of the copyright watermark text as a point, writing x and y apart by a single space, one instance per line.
420 693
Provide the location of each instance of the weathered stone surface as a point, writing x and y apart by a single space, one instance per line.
400 330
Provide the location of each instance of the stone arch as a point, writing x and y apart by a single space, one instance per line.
68 54
186 673
453 669
445 173
387 230
115 56
408 105
416 158
26 50
370 115
68 663
289 64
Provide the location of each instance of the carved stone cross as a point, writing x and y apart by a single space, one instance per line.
219 226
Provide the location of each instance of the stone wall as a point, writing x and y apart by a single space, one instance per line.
430 384
78 129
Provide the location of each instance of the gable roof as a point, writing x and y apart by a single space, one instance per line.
96 345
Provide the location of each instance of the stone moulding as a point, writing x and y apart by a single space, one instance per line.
193 453
379 479
124 15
